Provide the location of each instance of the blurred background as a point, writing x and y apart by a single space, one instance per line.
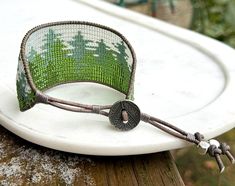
216 19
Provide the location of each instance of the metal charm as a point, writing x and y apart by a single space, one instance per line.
124 115
214 142
203 147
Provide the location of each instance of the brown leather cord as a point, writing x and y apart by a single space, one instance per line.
97 109
76 107
151 118
84 106
213 150
69 108
171 132
72 106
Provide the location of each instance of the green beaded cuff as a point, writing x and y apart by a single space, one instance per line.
64 52
72 51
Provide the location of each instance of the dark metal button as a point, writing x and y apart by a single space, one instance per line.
124 115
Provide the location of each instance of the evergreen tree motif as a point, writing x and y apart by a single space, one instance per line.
104 53
38 69
24 92
23 86
57 58
49 40
122 56
79 45
35 63
101 50
53 47
107 67
122 59
31 54
49 53
22 80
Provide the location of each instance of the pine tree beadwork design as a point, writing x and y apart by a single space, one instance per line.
63 53
26 96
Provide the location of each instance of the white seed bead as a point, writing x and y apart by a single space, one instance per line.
214 142
203 147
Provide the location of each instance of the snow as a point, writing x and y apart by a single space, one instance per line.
29 164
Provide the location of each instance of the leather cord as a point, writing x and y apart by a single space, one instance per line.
214 150
211 147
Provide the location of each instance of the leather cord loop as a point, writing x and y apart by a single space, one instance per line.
213 150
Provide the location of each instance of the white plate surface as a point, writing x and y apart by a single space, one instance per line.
182 77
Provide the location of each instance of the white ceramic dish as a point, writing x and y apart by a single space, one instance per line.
182 77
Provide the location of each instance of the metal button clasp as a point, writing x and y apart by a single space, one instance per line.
124 115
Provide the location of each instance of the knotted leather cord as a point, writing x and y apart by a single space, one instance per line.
213 150
72 106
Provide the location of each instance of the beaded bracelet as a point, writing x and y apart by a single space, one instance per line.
71 51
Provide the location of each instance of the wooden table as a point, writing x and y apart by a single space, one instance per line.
24 163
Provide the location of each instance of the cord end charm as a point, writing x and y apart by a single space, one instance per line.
203 147
215 149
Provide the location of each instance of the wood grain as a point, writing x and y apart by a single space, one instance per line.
24 163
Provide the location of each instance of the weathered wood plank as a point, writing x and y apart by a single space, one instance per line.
24 163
